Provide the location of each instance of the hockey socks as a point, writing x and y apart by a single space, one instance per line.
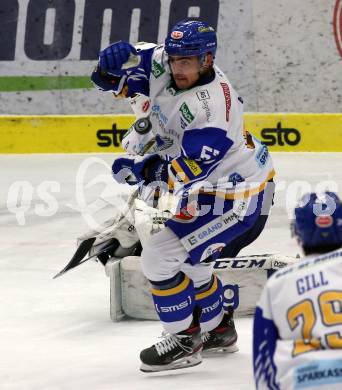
174 301
218 329
210 299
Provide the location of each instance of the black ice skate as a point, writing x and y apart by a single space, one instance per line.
223 338
179 350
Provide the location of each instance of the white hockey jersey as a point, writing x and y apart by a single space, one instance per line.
298 327
201 132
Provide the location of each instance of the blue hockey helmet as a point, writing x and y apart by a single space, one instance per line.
318 222
191 38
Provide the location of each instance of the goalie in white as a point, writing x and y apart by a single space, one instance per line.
197 148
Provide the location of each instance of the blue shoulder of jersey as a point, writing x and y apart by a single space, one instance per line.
202 151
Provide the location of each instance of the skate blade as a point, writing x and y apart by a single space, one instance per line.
220 350
185 362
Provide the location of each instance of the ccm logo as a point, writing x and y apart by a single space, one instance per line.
280 136
239 263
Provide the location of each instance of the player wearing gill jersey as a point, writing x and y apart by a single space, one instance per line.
298 320
201 152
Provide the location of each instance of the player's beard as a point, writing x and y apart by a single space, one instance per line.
186 80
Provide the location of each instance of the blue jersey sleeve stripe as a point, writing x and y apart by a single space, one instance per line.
265 335
146 62
138 78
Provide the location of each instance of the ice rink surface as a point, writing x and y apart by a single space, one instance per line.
57 334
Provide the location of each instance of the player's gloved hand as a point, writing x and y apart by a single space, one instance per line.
156 170
114 56
123 171
106 82
135 170
109 74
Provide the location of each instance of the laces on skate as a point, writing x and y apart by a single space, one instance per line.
170 341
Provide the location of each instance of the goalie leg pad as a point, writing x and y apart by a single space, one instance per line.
175 305
210 299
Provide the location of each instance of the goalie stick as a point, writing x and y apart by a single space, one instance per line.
82 250
78 256
107 243
87 244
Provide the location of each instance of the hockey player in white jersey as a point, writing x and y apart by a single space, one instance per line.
221 174
298 320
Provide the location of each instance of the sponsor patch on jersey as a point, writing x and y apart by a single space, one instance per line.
183 123
318 373
187 213
235 178
157 69
193 166
324 221
213 250
262 156
206 109
157 112
145 106
203 95
159 220
187 115
163 142
228 99
171 91
177 34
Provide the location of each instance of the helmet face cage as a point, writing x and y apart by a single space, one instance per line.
191 38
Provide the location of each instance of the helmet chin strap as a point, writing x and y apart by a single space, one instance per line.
206 59
205 65
201 59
